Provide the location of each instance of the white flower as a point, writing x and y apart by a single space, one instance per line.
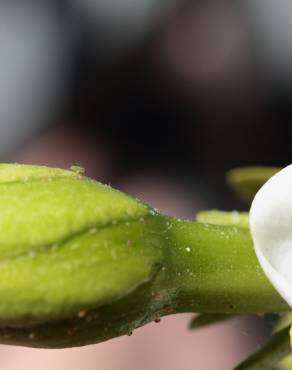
271 229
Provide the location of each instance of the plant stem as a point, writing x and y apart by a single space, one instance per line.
216 270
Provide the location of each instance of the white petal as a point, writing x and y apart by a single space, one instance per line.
271 229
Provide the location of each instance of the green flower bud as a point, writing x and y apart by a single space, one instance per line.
68 245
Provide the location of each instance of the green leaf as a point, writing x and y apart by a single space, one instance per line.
246 181
275 349
285 364
206 319
284 321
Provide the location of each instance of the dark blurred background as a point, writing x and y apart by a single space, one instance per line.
159 99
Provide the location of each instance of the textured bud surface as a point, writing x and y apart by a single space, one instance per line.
63 245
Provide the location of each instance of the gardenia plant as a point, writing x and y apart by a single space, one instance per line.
82 263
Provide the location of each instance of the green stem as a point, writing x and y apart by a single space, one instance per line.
216 270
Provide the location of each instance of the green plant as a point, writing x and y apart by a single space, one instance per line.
82 263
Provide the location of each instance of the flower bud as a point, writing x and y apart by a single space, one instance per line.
68 246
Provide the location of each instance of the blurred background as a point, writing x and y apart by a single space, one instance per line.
158 99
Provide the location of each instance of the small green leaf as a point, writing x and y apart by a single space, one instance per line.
269 355
284 321
206 319
285 364
246 181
